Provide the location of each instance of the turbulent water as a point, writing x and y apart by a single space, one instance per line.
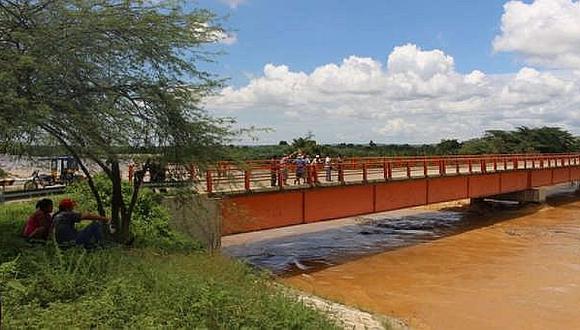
507 269
312 251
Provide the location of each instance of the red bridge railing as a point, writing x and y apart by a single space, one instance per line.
273 175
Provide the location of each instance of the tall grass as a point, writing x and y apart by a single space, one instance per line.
145 287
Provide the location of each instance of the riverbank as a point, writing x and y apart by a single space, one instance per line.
148 286
350 317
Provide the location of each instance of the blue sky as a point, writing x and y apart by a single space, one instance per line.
304 34
412 71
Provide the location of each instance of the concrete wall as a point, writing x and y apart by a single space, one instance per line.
198 217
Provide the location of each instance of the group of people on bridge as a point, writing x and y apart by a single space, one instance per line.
306 169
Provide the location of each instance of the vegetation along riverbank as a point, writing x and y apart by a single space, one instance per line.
163 280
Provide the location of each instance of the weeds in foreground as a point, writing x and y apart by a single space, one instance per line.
161 285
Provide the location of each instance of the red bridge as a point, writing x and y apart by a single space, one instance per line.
249 202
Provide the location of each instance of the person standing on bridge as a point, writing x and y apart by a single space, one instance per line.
274 170
328 168
301 164
339 164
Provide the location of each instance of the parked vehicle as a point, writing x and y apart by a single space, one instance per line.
38 181
63 170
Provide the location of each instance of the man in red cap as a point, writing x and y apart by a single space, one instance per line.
64 226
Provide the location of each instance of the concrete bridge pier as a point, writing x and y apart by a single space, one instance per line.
535 195
577 185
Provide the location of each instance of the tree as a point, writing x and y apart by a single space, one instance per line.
448 147
305 143
522 140
96 75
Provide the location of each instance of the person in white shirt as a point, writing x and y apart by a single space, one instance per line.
328 168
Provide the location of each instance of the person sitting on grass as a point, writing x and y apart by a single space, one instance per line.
65 231
39 223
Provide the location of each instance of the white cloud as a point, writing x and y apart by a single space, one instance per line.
417 97
544 32
213 34
233 3
397 127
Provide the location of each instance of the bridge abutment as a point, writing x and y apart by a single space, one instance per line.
199 217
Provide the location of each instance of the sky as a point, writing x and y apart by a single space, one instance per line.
414 71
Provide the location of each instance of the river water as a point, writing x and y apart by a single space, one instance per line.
505 267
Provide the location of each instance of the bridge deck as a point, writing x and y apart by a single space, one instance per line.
369 185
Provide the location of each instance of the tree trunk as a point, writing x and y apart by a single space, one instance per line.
118 204
100 206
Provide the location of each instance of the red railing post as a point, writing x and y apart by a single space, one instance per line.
340 173
389 170
515 162
504 163
309 174
470 167
247 175
494 164
385 170
425 170
280 179
315 173
408 170
364 168
442 169
457 166
541 162
483 166
209 181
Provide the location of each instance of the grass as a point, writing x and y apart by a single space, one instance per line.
145 287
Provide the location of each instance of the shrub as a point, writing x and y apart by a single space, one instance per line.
150 221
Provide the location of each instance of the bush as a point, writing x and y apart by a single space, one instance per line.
150 221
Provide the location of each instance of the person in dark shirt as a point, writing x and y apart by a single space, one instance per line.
39 224
274 170
65 231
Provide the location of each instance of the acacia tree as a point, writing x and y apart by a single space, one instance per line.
96 75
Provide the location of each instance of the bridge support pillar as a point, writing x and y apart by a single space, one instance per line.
535 195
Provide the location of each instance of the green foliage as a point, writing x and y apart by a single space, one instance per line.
3 173
305 144
99 76
522 140
13 217
346 150
448 147
150 222
44 287
126 83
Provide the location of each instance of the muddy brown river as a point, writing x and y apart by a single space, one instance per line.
511 268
